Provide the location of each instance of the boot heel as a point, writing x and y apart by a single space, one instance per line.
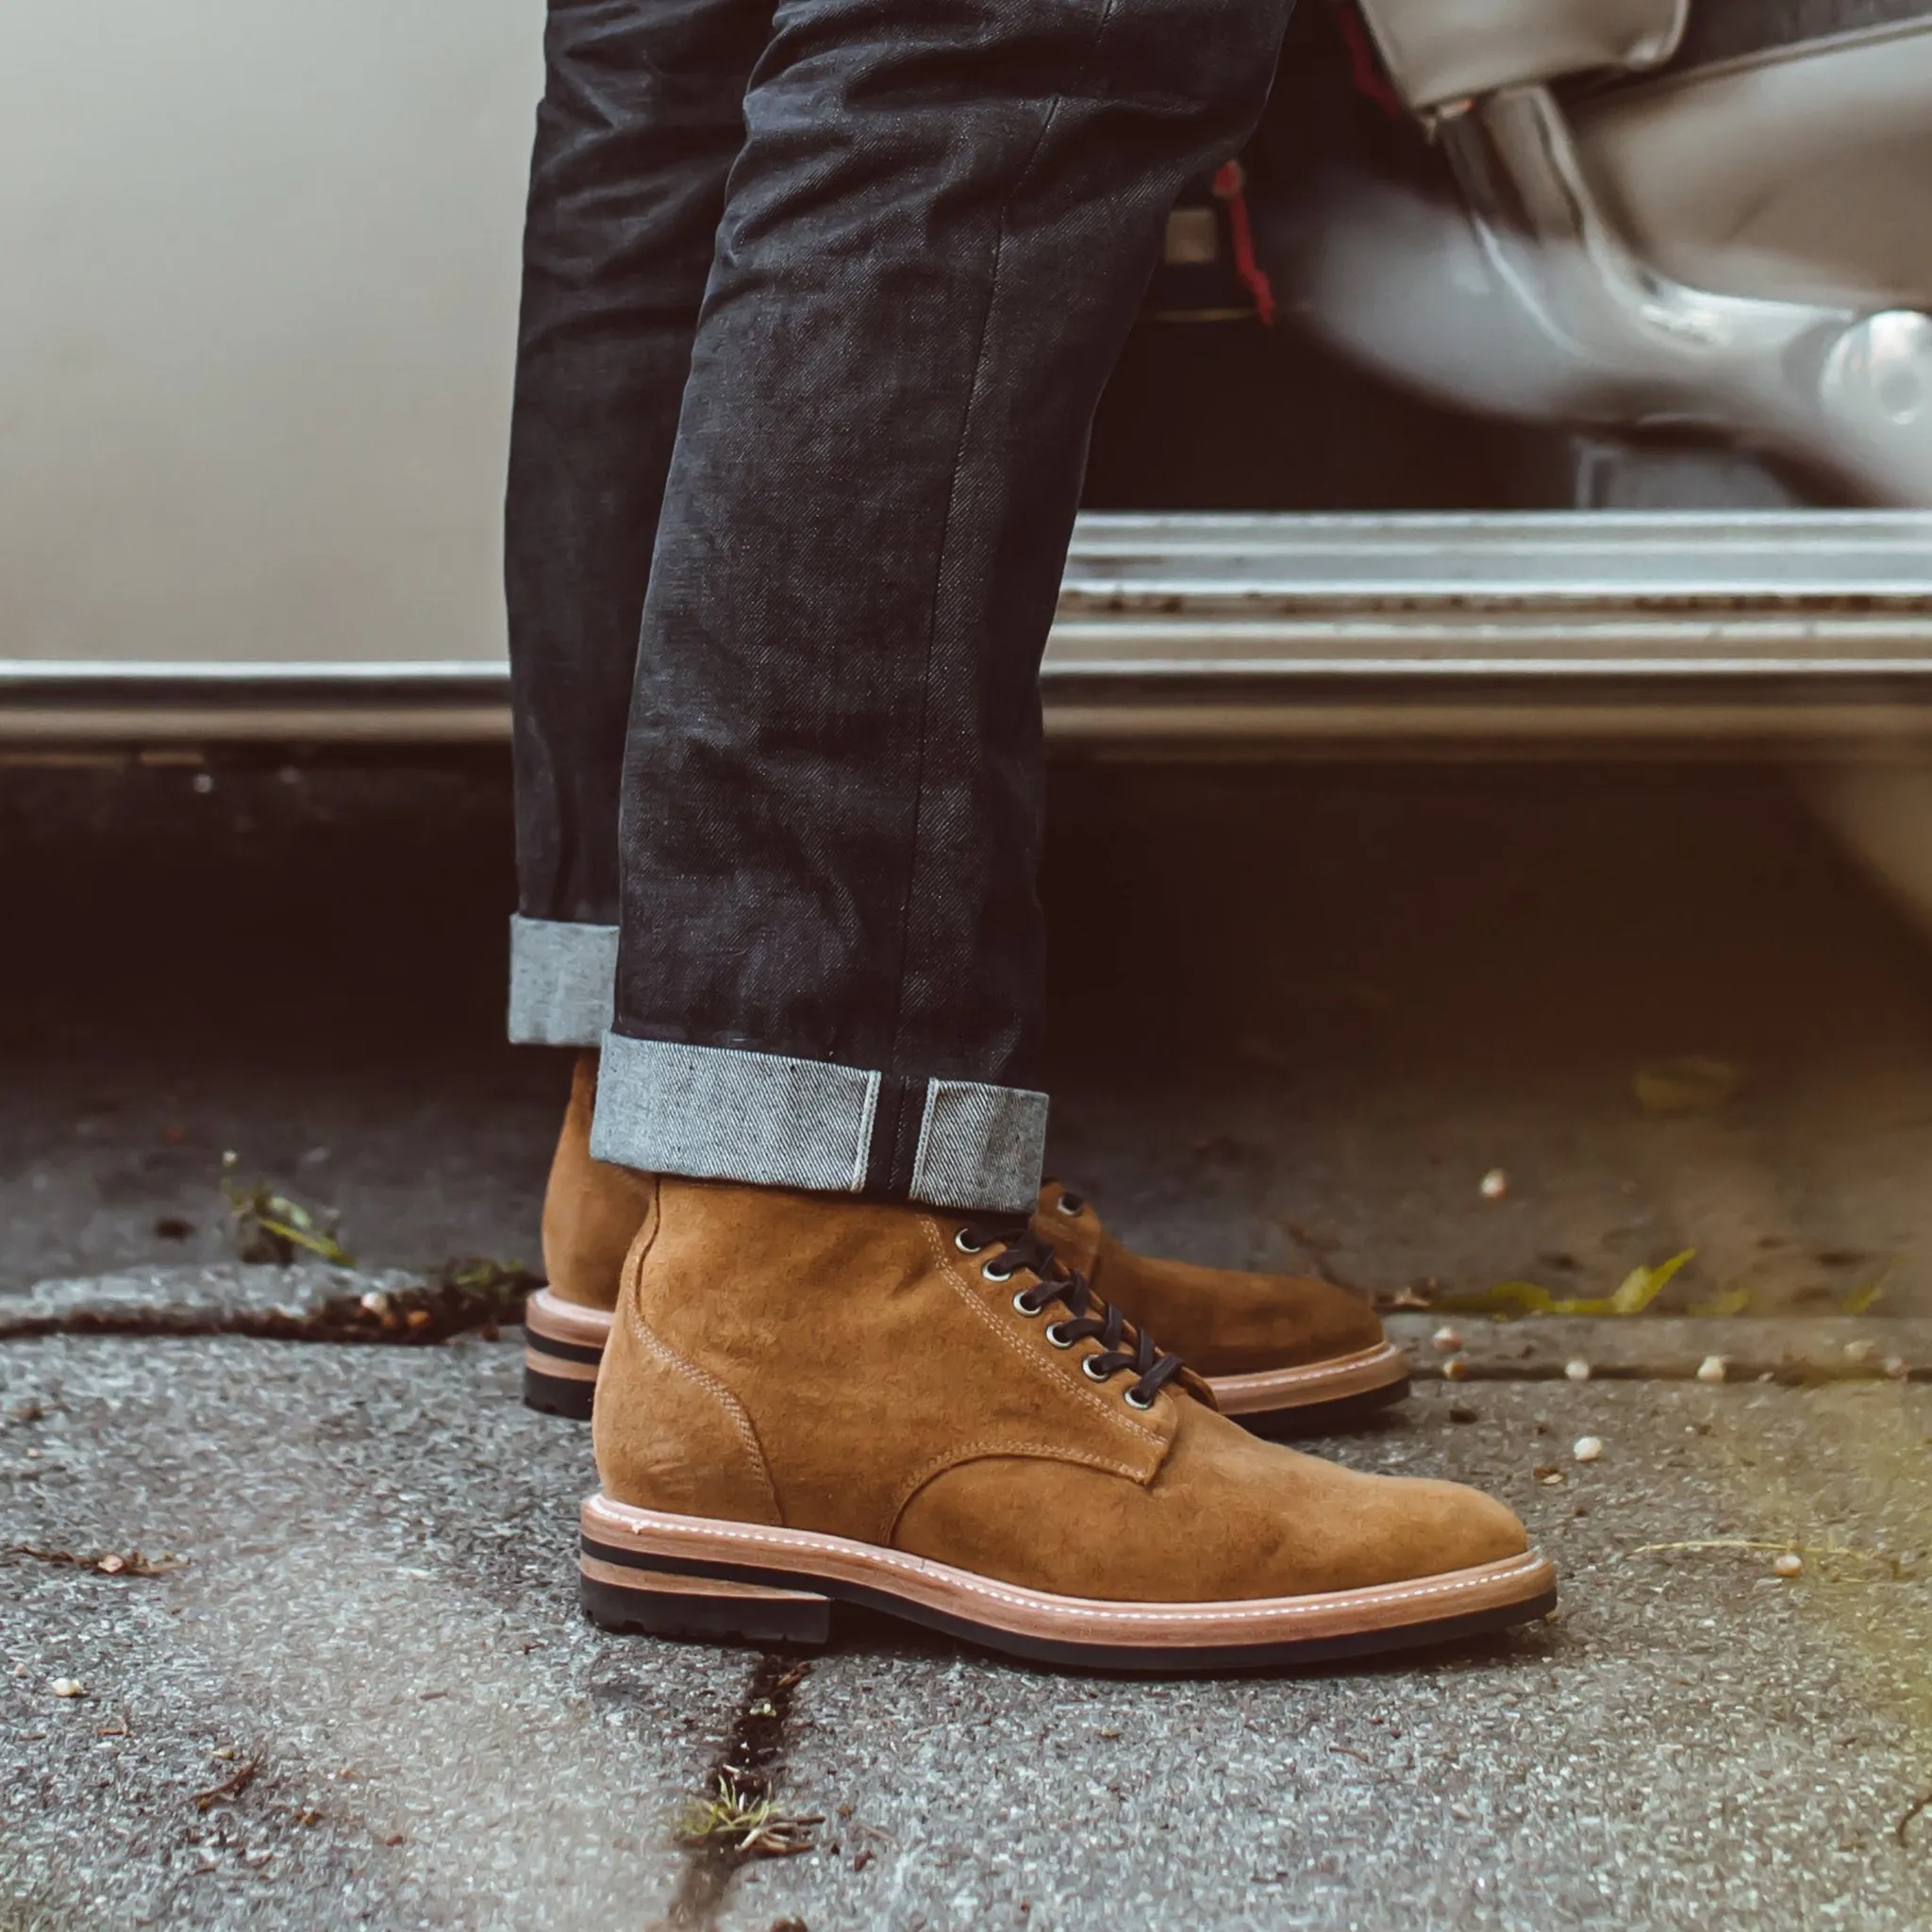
662 1602
564 1395
563 1345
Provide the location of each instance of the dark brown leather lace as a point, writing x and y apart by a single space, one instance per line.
1090 1318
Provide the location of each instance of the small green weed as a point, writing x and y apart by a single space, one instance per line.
270 1227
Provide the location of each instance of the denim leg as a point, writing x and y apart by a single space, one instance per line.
642 112
937 234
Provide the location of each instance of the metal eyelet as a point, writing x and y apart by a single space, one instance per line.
1056 1338
1137 1401
1070 1206
1087 1369
1025 1306
964 1246
994 1272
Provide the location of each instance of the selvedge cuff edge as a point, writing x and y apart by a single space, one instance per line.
561 973
723 1113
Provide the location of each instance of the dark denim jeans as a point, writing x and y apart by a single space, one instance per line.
817 310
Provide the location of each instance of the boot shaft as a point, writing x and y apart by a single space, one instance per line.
813 1360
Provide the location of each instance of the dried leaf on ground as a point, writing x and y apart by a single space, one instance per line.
268 1227
108 1562
230 1788
467 1292
1861 1300
1635 1292
1911 1812
1726 1301
486 1282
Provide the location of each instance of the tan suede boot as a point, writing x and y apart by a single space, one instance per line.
591 1213
809 1399
1279 1352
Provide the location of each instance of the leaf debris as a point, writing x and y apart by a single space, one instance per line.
746 1821
1911 1812
268 1227
108 1562
1635 1293
230 1788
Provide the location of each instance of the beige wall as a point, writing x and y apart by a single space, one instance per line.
258 286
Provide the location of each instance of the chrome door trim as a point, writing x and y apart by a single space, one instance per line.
1211 633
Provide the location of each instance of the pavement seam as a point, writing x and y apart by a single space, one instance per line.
396 1317
750 1758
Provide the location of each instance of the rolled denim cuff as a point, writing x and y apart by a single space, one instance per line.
717 1113
560 978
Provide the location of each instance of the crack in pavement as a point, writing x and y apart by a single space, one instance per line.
412 1316
747 1764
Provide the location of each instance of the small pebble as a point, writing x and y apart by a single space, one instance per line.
1551 1478
1454 1369
1587 1448
1460 1412
1897 1366
1860 1351
375 1302
1494 1184
1789 1564
1711 1369
1447 1340
1577 1370
67 1687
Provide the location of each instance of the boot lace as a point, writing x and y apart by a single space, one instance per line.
1089 1318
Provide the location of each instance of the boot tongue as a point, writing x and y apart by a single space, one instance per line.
1072 1226
1196 1385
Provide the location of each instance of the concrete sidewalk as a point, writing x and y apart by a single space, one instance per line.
366 1697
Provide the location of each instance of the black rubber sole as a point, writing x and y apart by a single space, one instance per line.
703 1619
563 1396
684 1613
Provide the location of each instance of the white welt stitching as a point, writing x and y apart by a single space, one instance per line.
1039 1599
